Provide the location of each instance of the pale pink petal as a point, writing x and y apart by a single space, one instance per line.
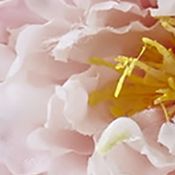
82 117
33 37
127 131
82 4
116 14
122 160
4 170
28 105
81 44
61 141
3 34
150 122
13 14
69 164
55 117
48 130
48 9
7 56
21 14
58 136
34 57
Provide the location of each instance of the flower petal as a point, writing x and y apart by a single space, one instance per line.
166 136
83 118
60 142
68 164
27 106
13 14
116 14
164 9
34 58
119 131
122 160
7 56
48 9
80 44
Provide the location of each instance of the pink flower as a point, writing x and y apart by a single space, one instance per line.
47 125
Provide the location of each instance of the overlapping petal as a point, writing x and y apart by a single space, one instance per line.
47 125
124 135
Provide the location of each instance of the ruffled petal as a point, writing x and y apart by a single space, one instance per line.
33 56
164 9
116 14
166 136
13 14
144 142
28 109
80 44
119 131
122 160
82 117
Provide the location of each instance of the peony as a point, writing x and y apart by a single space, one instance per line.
58 83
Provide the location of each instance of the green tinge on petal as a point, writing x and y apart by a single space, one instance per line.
103 147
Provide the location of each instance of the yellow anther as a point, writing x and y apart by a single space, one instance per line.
146 81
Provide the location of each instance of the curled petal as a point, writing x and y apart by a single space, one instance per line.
80 44
116 14
166 136
83 118
122 160
119 131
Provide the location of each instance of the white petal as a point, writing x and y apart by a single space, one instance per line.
164 9
120 130
122 160
166 136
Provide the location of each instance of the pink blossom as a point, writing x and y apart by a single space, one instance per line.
46 123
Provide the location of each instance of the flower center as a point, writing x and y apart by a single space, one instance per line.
145 81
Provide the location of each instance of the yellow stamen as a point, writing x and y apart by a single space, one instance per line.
129 63
146 81
101 62
167 117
